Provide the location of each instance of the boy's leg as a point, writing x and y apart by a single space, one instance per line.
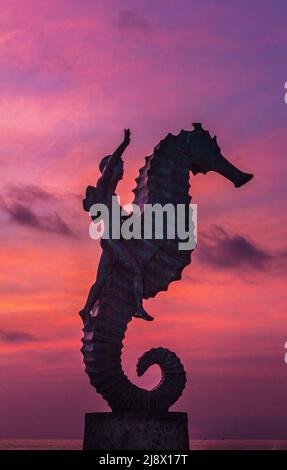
104 270
120 253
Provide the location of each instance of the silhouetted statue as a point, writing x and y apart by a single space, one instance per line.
114 251
132 270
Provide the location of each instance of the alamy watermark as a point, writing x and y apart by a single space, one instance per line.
155 222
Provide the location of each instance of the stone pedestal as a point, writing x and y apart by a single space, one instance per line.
136 431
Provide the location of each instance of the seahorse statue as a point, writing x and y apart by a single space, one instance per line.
163 179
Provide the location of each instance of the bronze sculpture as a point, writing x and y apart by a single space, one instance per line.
138 269
114 251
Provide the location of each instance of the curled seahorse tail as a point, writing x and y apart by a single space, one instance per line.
173 376
102 347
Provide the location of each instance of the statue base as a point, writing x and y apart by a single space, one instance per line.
136 431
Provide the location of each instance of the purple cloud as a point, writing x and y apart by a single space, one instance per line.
52 223
29 193
17 337
129 20
231 251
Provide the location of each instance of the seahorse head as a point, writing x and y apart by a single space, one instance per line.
205 155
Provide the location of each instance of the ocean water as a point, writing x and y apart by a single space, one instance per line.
76 444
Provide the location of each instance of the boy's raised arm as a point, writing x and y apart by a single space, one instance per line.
114 158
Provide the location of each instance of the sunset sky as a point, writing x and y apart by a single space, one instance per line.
73 75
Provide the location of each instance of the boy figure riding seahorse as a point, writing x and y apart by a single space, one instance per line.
114 250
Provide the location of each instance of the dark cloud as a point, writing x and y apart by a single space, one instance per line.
23 215
13 337
29 193
53 223
18 203
129 20
222 250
